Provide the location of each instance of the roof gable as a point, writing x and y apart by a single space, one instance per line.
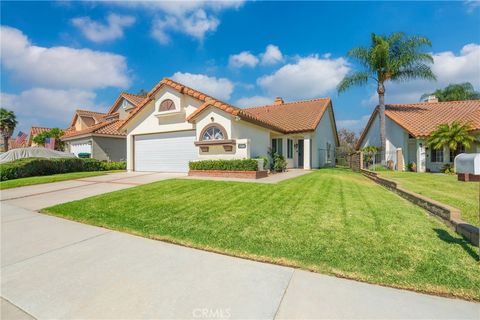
132 98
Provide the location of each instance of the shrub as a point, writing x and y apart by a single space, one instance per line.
234 165
30 167
447 168
279 163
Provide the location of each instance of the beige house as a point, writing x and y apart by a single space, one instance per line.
176 124
97 133
409 125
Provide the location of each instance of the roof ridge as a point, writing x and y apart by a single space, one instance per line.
77 110
430 103
287 103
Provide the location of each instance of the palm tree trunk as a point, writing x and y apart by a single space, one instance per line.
5 143
381 109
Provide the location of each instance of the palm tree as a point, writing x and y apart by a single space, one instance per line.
389 58
8 122
455 92
452 136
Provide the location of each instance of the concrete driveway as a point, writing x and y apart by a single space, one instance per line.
56 268
44 195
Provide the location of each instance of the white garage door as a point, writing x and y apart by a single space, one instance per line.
83 147
165 152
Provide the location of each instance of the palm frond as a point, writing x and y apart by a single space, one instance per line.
355 79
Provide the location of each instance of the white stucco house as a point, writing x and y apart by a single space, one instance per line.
177 124
409 125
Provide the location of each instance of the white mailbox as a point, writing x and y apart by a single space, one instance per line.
467 163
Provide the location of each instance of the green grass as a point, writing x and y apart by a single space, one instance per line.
444 188
22 182
331 221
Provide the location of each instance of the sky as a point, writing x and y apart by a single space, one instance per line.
59 56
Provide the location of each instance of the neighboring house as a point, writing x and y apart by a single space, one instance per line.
177 124
97 133
408 126
33 132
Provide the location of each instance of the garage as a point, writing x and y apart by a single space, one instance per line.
81 147
164 152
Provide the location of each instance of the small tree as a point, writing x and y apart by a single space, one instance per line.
454 92
8 122
52 133
369 152
452 136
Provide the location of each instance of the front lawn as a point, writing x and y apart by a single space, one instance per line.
331 221
442 187
22 182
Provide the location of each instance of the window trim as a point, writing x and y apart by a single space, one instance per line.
436 155
278 146
216 125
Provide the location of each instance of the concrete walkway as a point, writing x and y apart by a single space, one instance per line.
56 268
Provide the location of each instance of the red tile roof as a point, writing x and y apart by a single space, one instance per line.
421 119
103 128
292 117
97 116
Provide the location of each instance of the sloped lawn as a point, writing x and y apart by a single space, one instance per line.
444 188
331 221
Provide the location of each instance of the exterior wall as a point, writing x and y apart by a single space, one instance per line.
258 136
83 122
110 149
324 133
123 112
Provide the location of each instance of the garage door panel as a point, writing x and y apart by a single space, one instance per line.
167 152
84 147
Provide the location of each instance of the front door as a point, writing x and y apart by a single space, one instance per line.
300 153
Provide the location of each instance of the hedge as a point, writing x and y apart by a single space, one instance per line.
30 167
234 165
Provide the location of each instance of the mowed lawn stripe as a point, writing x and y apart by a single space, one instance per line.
332 221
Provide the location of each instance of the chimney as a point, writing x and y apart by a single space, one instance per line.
431 99
278 100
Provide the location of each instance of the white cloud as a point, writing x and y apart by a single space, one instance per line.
220 88
253 101
472 5
45 107
98 32
309 77
272 55
355 125
60 67
193 18
241 59
448 67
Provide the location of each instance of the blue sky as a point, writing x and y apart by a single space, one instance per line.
63 55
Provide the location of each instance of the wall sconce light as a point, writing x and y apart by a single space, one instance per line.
212 119
296 147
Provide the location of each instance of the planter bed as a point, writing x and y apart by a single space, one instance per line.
229 174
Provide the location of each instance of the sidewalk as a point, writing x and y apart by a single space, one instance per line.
55 268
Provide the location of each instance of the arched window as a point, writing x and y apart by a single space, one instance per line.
213 132
167 105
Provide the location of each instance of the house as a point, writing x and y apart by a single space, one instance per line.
409 125
97 133
33 132
176 124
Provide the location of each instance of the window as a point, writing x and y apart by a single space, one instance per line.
329 151
166 105
213 132
277 146
437 155
289 148
454 153
125 104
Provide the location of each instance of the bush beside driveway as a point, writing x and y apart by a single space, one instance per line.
331 221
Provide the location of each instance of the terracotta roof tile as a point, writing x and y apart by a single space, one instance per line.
421 119
299 116
105 127
292 117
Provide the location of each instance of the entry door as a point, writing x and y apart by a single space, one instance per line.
300 153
